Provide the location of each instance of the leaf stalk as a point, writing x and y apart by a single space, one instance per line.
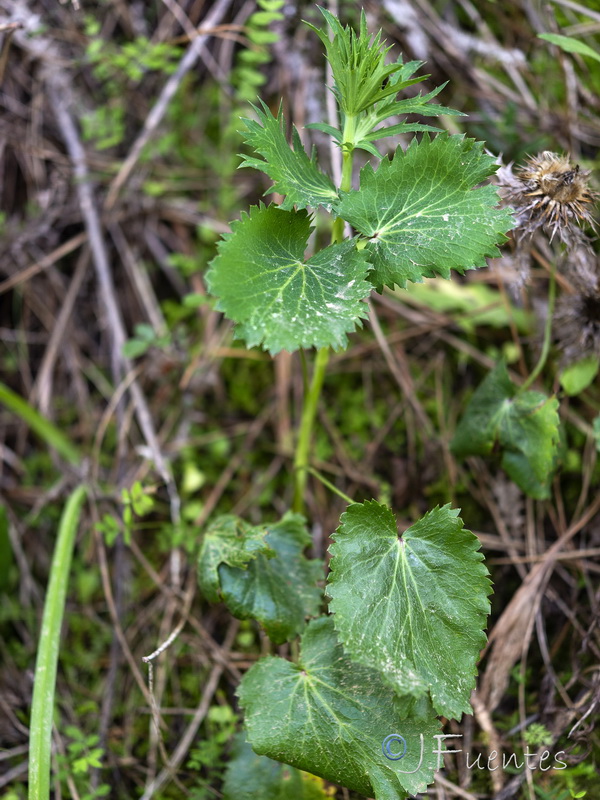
311 401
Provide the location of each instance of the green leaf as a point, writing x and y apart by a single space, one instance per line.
249 76
249 777
470 304
421 213
229 540
271 5
596 429
335 134
265 17
46 430
295 175
279 300
44 684
525 425
412 607
276 586
358 65
394 130
254 56
365 130
577 377
258 36
330 716
570 45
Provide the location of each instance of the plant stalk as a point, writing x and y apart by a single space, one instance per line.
311 400
309 413
42 706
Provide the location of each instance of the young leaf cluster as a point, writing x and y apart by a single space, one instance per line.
420 213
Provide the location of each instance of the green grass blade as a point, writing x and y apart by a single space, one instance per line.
42 707
42 426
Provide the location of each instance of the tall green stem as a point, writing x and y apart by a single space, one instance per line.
311 401
306 426
42 705
547 332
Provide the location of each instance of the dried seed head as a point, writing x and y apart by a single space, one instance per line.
577 325
550 193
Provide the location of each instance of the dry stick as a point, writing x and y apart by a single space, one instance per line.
506 639
140 280
155 733
60 99
216 651
454 789
188 737
181 17
112 610
573 555
521 691
42 389
398 370
159 109
47 261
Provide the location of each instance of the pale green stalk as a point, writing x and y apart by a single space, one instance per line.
311 400
42 708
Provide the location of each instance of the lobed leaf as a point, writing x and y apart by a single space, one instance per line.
277 299
330 716
412 607
295 175
267 578
578 376
422 215
525 425
249 777
229 540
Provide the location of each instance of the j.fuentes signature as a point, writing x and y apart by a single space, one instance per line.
395 748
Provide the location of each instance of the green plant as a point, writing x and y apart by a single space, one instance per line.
408 611
82 756
247 76
208 756
45 429
550 195
116 67
42 707
136 502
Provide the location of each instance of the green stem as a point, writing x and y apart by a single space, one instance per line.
311 400
42 706
337 233
547 332
309 413
329 485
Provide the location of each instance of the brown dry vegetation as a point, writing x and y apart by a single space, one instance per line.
89 229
